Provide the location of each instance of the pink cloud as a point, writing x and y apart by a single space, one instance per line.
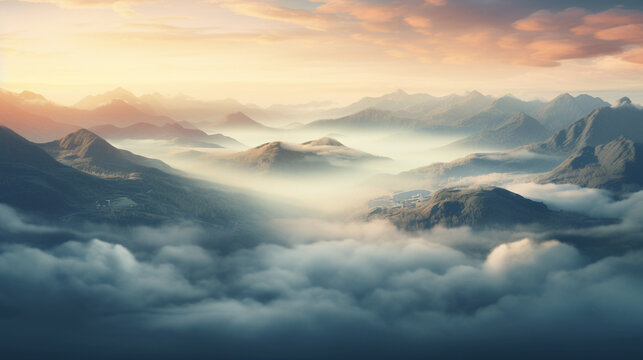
459 33
418 21
631 32
634 56
544 20
363 10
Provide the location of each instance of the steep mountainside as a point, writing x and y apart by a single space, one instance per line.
485 163
599 127
499 112
90 153
33 182
519 130
617 166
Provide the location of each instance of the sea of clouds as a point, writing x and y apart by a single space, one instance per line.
324 289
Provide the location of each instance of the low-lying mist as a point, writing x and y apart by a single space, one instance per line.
330 190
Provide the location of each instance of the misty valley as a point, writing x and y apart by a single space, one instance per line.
399 226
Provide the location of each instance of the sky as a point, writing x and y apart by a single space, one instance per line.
295 51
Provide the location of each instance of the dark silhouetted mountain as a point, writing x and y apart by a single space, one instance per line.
87 152
478 207
369 119
565 109
617 166
33 127
519 130
32 181
174 131
599 127
624 101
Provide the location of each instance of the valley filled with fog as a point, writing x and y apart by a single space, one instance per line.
399 226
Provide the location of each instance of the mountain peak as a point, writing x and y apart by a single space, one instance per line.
521 117
79 138
616 166
238 116
474 93
478 207
95 101
325 141
32 96
624 101
239 119
119 93
601 126
564 97
85 143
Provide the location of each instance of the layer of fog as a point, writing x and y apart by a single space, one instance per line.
331 288
331 191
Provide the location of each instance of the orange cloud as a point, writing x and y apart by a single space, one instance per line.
634 56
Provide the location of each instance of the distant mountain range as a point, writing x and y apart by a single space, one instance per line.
175 132
117 112
478 207
472 112
600 150
206 112
369 119
35 127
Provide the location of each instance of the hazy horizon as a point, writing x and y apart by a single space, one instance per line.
298 51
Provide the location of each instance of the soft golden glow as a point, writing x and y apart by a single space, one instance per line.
295 51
